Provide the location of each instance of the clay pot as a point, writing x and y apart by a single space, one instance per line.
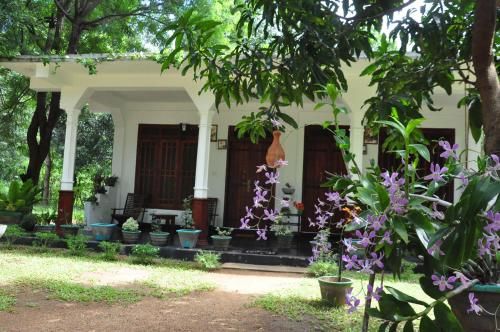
275 151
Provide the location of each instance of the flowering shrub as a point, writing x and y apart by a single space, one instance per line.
389 214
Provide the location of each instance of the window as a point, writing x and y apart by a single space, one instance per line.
166 164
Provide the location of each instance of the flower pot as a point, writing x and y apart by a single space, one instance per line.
130 237
3 228
69 230
10 217
221 241
188 237
488 297
45 228
102 231
284 241
332 291
288 191
275 151
159 239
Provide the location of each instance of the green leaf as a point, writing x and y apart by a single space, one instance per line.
427 325
422 150
429 288
445 319
383 326
397 125
408 326
288 119
412 124
400 227
404 297
475 119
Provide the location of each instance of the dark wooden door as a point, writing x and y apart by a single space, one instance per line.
243 157
388 161
320 154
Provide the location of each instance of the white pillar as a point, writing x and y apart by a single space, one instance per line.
203 154
69 149
356 137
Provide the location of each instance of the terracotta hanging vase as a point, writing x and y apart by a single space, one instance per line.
275 151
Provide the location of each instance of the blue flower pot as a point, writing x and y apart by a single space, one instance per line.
188 237
102 232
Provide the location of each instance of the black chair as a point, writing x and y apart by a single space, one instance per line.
133 209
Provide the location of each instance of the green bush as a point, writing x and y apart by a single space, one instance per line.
28 222
322 268
44 240
12 233
77 245
110 250
144 254
208 260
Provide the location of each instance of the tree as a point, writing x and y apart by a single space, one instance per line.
285 50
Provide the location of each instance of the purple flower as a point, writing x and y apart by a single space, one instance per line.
376 260
348 245
442 282
473 304
496 166
436 173
244 223
285 203
352 302
261 168
460 276
281 162
365 266
272 178
333 197
275 123
391 180
463 177
373 294
376 222
351 262
449 151
398 202
435 213
249 214
262 234
436 248
365 238
387 238
494 222
270 215
483 249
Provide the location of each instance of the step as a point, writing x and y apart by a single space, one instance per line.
265 268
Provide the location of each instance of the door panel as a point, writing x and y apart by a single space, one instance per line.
320 154
243 157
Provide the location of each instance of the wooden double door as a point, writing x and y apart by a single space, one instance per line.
320 154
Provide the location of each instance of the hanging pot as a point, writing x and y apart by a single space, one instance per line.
275 151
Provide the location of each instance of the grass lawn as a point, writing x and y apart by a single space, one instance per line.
304 302
89 279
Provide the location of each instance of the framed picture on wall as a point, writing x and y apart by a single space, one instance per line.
213 133
370 137
222 144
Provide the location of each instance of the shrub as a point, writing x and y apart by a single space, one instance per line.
12 233
131 225
322 268
28 222
77 245
44 240
144 254
208 260
110 250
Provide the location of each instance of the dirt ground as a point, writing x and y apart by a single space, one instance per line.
225 309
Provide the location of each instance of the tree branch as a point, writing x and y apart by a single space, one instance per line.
137 12
64 11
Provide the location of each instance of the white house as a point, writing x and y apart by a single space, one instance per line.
163 126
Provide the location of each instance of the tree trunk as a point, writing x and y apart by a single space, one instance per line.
46 180
487 83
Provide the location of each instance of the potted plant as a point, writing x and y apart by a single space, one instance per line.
188 236
157 236
130 231
46 221
17 201
288 189
299 206
102 231
110 181
223 238
28 222
283 233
